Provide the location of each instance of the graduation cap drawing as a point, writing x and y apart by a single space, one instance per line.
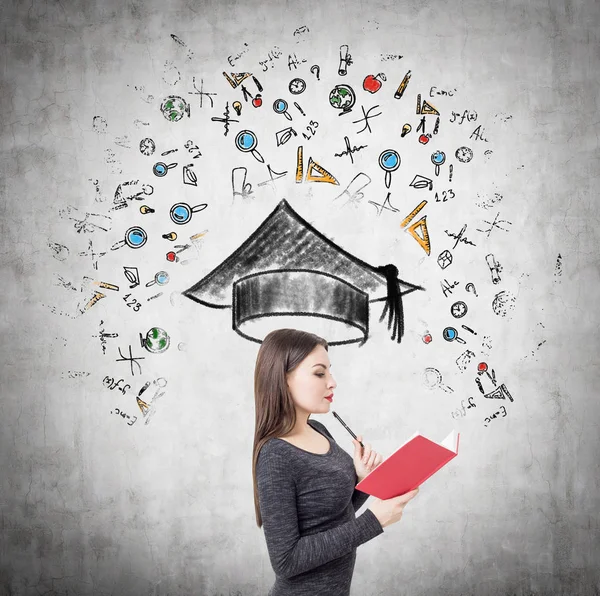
287 268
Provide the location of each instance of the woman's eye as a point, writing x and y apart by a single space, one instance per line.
320 374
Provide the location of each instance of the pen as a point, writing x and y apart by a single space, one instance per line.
346 427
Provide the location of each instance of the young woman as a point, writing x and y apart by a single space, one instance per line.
304 483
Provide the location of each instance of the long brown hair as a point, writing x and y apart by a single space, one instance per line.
281 352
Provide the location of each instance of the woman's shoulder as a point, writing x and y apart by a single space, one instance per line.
320 426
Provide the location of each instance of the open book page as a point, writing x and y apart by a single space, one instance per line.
450 442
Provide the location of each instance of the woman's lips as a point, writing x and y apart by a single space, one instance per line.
329 398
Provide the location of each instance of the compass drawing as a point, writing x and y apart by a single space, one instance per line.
297 86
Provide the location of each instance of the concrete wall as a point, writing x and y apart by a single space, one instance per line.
95 503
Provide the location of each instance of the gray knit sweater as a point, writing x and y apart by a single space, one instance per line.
308 504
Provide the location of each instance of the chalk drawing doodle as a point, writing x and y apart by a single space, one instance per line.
366 117
478 134
459 309
297 86
447 287
470 287
462 410
342 98
287 268
272 178
389 161
420 182
294 61
181 213
156 340
464 154
94 256
438 158
125 416
463 361
144 210
345 61
425 107
189 176
201 92
501 411
59 251
161 278
386 205
240 187
103 336
503 302
406 128
432 379
226 120
373 83
161 169
131 360
132 302
93 300
246 141
314 171
133 276
418 230
237 107
174 108
444 259
495 224
402 86
460 237
316 70
494 267
135 237
451 334
284 135
353 192
131 190
280 106
350 150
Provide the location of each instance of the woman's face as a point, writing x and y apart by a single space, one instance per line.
311 381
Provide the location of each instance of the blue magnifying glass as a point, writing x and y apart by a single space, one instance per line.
280 106
181 213
161 278
135 237
451 334
437 159
389 161
247 142
161 169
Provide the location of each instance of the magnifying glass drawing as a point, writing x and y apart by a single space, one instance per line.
389 161
432 378
438 158
161 278
161 169
247 142
135 237
280 106
451 334
181 213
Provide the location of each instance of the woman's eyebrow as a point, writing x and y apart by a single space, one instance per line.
320 365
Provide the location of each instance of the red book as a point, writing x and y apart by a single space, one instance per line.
409 466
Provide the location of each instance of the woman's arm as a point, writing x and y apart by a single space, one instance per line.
291 554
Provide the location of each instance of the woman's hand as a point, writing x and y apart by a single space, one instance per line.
365 460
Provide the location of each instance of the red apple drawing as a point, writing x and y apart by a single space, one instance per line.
372 84
424 139
257 101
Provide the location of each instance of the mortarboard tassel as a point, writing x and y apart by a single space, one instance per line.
393 302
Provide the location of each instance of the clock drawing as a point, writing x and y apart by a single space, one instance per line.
297 86
464 154
458 309
147 146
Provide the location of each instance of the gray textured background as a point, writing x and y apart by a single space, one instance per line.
90 505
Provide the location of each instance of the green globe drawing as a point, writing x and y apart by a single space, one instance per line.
342 98
156 341
174 107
